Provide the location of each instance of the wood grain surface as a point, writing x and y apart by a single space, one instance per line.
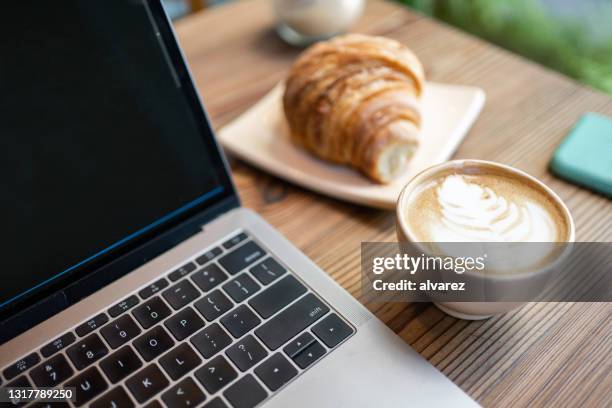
544 354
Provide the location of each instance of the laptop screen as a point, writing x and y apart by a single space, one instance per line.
103 140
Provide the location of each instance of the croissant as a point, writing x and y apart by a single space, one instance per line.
354 100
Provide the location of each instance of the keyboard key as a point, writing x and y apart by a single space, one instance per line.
20 366
211 340
120 331
277 296
120 364
91 325
242 257
123 306
208 256
154 404
216 403
245 393
246 353
115 398
295 346
208 277
153 288
184 394
52 372
88 385
309 355
235 240
179 361
241 287
291 321
332 330
213 305
58 344
146 383
19 382
216 374
240 320
151 312
153 343
276 371
181 294
87 351
268 270
182 271
184 323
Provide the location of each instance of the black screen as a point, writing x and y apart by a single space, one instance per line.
101 144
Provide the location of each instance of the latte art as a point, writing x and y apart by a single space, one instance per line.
483 204
473 212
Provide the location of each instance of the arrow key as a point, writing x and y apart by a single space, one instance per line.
332 330
295 346
309 355
184 394
276 371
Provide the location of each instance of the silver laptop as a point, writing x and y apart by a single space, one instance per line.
131 275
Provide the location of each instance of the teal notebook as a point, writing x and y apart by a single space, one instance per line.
585 155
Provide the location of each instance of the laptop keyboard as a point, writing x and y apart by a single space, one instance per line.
228 329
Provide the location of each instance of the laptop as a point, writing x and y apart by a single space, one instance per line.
131 274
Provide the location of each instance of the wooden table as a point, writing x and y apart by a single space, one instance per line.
551 354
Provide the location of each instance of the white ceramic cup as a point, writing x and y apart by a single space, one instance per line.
531 280
302 22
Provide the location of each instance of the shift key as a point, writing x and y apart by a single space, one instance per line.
291 321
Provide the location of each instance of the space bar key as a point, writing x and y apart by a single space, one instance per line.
291 321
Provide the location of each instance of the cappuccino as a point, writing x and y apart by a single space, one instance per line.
476 202
494 211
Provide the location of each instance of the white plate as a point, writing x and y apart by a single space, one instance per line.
260 136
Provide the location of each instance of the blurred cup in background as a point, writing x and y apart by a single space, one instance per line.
302 22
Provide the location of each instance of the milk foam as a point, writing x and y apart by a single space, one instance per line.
473 212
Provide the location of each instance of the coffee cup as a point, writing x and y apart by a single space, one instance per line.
477 201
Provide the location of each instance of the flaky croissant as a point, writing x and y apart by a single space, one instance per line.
354 100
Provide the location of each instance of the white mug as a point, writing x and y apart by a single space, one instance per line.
530 281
